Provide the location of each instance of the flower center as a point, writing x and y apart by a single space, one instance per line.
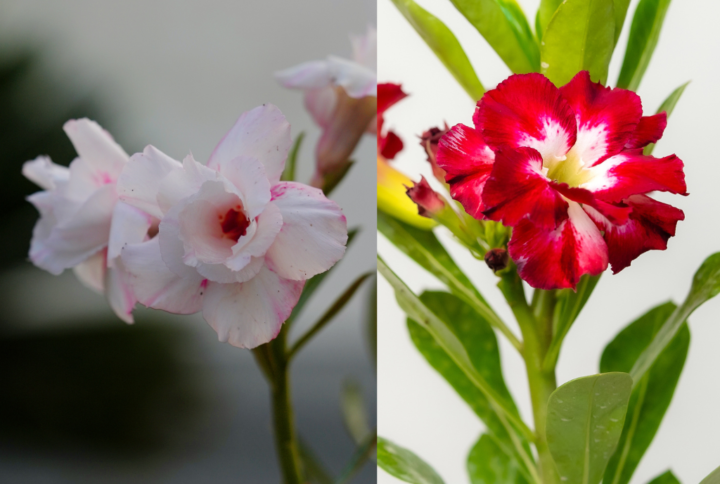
234 224
571 170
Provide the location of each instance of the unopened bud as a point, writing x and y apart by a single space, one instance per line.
429 141
427 200
497 259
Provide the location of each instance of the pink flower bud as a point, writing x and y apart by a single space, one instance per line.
428 201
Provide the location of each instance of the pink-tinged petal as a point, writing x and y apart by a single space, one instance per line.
97 148
44 173
467 162
251 313
357 80
261 133
78 238
649 130
257 243
557 258
223 274
248 176
365 48
649 227
632 173
313 235
388 94
616 213
119 292
320 103
606 117
138 183
527 110
183 182
171 244
91 272
158 287
308 75
129 226
517 188
83 181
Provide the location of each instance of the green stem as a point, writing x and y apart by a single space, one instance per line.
536 328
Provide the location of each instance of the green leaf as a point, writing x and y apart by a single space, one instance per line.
545 12
705 286
478 340
333 179
668 106
424 248
504 26
665 478
404 464
288 173
487 463
567 309
620 7
449 342
362 454
353 409
651 397
444 44
580 37
585 420
644 34
713 478
371 322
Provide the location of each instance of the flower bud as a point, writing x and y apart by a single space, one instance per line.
429 203
429 141
497 259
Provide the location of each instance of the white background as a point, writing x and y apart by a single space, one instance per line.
417 409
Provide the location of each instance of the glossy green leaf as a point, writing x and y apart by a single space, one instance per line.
487 463
480 343
451 344
424 248
644 34
713 478
579 37
504 26
288 173
651 397
584 423
404 464
705 286
665 478
620 8
567 309
545 12
668 106
444 44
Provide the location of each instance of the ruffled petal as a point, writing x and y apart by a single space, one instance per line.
251 313
616 213
119 292
527 110
262 133
91 272
517 188
557 258
606 117
248 176
308 75
269 224
97 148
139 182
183 182
649 130
649 227
158 287
357 80
632 173
44 173
467 162
313 235
129 226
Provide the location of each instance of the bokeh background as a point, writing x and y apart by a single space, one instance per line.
85 398
417 408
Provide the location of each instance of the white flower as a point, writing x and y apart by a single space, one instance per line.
82 225
233 240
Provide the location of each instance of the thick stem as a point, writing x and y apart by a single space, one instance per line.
536 328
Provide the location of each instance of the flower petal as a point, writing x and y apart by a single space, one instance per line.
261 133
44 173
248 176
631 173
557 258
91 271
365 48
649 130
138 184
158 287
97 148
183 182
527 110
320 103
119 292
251 313
269 224
387 95
357 80
649 227
467 162
313 235
517 189
129 226
308 75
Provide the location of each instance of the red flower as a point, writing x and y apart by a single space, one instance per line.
389 144
565 168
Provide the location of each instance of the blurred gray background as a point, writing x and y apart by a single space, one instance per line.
417 408
85 398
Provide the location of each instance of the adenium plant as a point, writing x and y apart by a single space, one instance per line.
554 183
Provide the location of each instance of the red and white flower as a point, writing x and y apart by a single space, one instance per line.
565 168
341 96
82 224
233 241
